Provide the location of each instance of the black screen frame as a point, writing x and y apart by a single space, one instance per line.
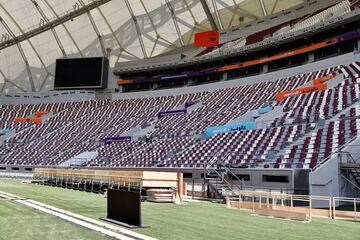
124 206
103 75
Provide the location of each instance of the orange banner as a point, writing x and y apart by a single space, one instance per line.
40 114
36 120
206 39
324 79
18 120
297 92
124 81
279 56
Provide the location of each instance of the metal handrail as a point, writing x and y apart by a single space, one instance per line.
228 170
349 156
352 158
353 184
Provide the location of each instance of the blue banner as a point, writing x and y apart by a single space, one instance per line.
5 131
264 110
211 131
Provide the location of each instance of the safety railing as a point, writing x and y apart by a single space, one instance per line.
312 206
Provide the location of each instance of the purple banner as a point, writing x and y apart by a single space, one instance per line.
169 113
145 125
348 36
117 139
176 76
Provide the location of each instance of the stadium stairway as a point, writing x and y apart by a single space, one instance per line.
222 179
350 168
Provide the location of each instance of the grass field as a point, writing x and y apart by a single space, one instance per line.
208 221
18 222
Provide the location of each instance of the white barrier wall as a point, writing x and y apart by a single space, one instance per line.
326 180
46 97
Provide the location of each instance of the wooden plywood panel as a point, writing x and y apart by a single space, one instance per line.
281 214
135 178
160 175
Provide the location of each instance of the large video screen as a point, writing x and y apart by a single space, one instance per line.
81 73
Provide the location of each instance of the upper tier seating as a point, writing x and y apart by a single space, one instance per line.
332 12
291 26
319 105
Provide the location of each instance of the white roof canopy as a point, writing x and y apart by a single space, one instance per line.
122 29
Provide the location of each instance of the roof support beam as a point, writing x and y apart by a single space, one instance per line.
196 24
158 36
3 87
136 27
221 26
31 45
52 29
66 29
191 13
235 9
172 12
121 48
22 55
28 40
43 82
8 81
95 29
52 24
263 7
209 15
274 6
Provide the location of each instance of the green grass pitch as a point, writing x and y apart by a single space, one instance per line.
208 221
18 222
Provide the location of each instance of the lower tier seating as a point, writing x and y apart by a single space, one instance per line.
313 126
